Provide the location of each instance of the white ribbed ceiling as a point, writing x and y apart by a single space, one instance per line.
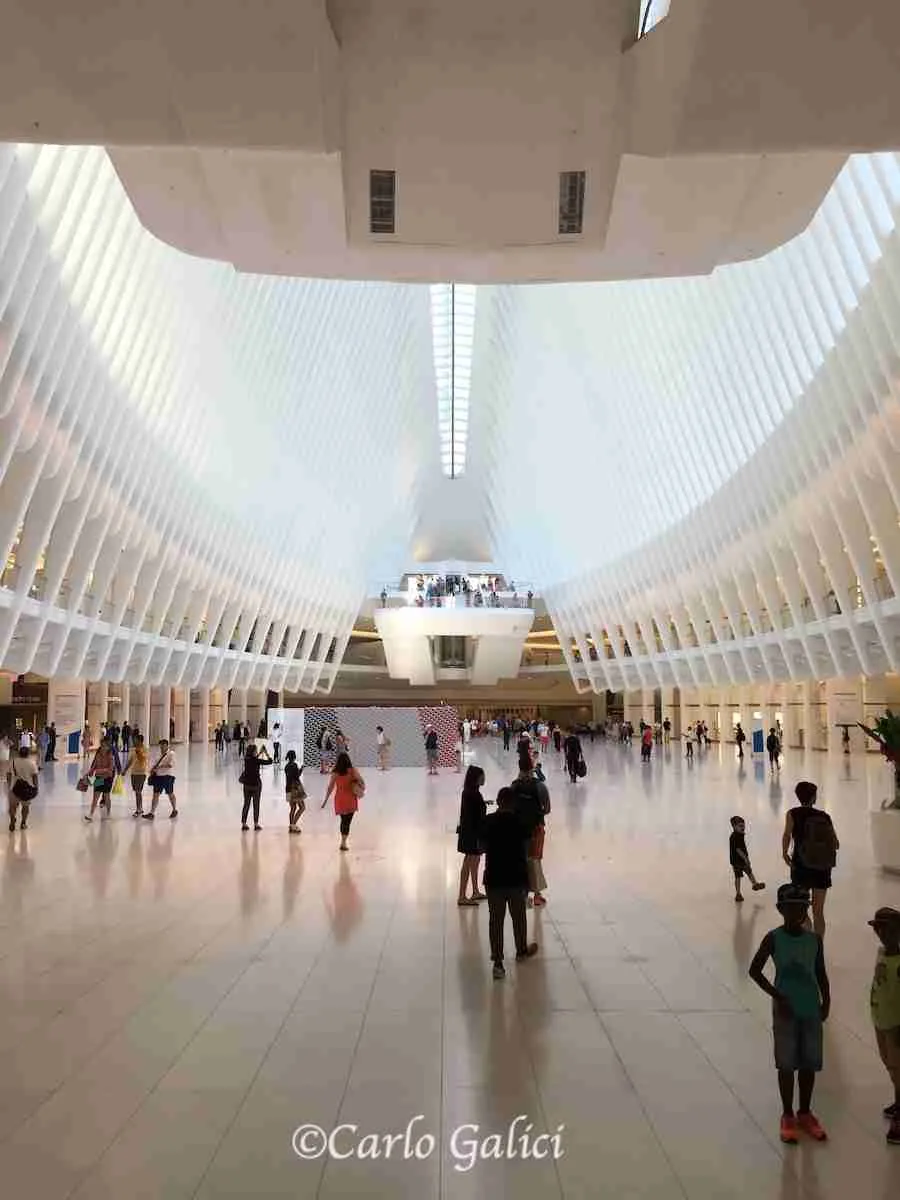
202 471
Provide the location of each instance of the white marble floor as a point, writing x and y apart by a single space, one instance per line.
178 998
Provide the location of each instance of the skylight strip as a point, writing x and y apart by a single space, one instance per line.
453 338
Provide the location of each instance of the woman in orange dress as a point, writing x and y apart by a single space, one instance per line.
348 787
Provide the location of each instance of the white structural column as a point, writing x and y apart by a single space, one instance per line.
140 707
201 710
97 705
181 712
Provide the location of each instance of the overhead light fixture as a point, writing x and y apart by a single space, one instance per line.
453 336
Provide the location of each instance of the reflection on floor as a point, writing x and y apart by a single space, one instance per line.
178 997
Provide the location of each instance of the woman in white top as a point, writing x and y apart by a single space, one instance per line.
382 746
162 779
23 787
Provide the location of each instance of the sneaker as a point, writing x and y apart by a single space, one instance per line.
149 816
809 1124
24 825
892 1111
257 828
499 971
893 1133
137 813
739 899
173 814
88 817
758 887
245 828
530 950
12 827
788 1131
479 896
463 902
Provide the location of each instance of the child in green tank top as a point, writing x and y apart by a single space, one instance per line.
802 999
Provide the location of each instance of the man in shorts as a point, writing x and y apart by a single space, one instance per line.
162 780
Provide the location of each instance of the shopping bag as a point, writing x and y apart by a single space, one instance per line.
118 787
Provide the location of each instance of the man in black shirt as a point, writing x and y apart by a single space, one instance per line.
506 878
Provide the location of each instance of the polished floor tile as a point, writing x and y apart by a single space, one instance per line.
186 1007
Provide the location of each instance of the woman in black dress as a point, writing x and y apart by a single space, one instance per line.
472 810
811 830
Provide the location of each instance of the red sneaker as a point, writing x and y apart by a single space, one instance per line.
809 1124
789 1130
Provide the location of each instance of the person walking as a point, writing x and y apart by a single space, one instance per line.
348 788
431 749
382 748
646 743
251 781
43 742
137 767
51 749
162 780
472 811
23 787
104 768
813 855
532 801
773 745
276 742
294 791
127 734
504 837
740 737
574 754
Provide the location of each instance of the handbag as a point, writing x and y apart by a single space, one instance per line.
581 768
23 790
83 784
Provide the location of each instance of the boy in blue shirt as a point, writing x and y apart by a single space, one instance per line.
802 999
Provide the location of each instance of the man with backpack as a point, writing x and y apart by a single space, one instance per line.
809 846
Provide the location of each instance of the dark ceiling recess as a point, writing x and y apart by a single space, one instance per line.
571 201
382 201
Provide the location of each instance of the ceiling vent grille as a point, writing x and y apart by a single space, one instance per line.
571 201
382 201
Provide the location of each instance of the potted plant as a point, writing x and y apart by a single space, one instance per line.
885 823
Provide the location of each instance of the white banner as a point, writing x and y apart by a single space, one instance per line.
291 733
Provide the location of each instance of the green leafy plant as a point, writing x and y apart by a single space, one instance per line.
886 732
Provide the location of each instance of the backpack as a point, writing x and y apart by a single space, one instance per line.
818 850
529 808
